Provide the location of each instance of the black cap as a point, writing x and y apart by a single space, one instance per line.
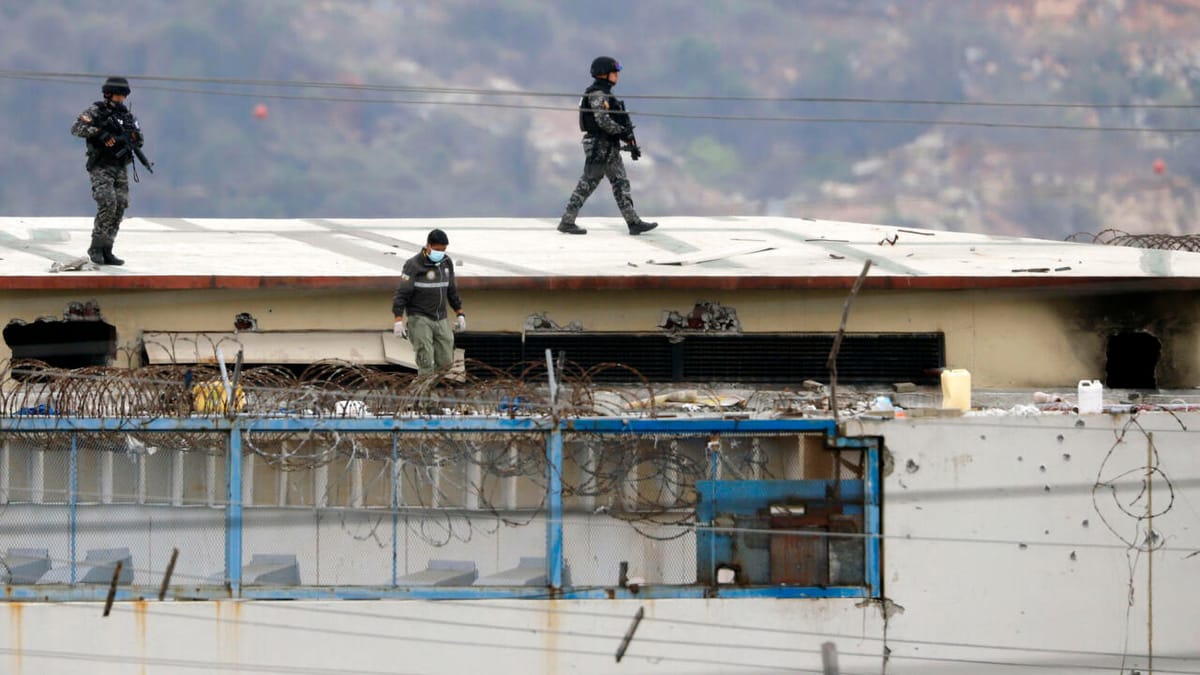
437 237
116 85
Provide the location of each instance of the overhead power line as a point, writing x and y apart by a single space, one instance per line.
318 84
75 79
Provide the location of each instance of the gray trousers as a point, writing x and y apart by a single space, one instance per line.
433 342
602 160
110 189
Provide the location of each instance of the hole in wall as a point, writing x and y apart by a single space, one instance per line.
62 344
1131 359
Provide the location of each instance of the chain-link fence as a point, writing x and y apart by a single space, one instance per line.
385 503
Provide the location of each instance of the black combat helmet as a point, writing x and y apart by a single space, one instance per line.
115 85
604 65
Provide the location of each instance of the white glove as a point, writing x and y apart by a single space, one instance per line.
460 324
400 329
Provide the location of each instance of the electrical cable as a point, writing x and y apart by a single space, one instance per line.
317 84
497 645
691 116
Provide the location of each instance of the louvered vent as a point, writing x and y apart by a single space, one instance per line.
775 357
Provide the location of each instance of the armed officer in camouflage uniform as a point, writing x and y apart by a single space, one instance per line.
113 138
605 124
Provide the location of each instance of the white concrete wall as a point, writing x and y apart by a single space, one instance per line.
996 535
981 518
410 637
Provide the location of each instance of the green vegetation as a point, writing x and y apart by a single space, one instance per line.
368 157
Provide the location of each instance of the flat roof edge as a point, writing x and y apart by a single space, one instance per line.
98 282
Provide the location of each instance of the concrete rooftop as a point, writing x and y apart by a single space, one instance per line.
511 253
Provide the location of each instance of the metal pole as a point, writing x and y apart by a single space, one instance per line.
73 498
872 491
553 384
1150 546
554 508
829 660
831 363
714 474
554 504
112 588
395 503
166 581
233 512
231 398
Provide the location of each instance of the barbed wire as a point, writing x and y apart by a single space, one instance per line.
1114 237
646 478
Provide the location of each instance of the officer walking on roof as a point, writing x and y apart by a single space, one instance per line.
113 139
605 125
426 285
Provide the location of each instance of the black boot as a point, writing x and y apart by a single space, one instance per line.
639 226
96 251
571 228
109 258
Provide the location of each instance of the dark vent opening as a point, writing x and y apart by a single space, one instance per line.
496 350
1131 359
62 344
776 357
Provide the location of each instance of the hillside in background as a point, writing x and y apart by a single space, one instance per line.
383 145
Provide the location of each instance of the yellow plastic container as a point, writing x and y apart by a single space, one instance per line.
956 389
209 397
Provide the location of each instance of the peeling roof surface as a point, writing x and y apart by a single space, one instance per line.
512 253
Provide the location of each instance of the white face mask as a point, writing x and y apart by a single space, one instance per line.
436 256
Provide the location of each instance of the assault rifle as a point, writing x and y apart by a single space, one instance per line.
126 143
631 145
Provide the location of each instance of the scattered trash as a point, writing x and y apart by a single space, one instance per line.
350 408
513 404
81 264
710 317
39 409
691 397
135 448
543 322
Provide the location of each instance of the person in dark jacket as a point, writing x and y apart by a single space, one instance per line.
419 305
109 129
605 125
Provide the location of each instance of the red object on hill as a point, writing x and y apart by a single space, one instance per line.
261 112
1159 165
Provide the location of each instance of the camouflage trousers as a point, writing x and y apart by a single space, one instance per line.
603 160
110 189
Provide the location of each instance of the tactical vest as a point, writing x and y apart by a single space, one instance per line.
98 153
587 118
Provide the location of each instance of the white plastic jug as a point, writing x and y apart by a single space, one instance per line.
1091 397
956 389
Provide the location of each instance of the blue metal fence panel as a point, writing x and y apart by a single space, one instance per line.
731 496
